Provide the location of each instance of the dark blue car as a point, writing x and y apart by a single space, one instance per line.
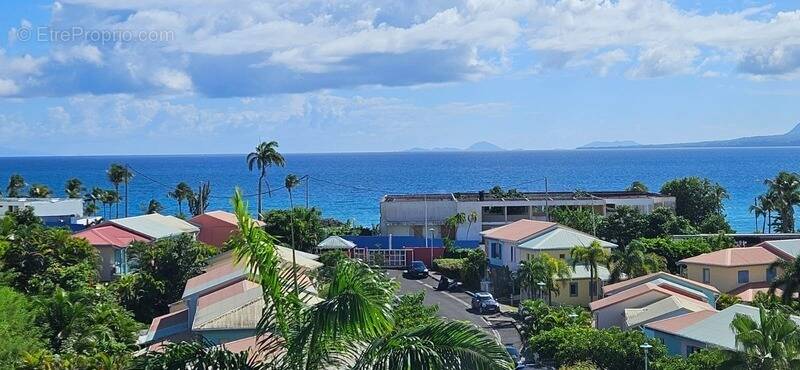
417 269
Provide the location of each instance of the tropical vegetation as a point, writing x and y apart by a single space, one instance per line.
265 156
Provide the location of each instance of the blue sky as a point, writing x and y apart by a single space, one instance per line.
194 76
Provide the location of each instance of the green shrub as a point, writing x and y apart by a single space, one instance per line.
450 267
607 348
20 333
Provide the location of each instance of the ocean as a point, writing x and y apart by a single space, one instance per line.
349 186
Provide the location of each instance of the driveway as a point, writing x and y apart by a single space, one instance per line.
456 306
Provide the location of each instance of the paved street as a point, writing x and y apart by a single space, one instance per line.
456 306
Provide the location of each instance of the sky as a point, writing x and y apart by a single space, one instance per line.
93 77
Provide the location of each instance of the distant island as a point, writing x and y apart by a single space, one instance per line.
791 138
609 144
481 146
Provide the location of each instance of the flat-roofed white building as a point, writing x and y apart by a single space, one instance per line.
416 214
52 211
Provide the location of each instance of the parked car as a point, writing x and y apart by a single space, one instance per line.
417 269
483 302
512 351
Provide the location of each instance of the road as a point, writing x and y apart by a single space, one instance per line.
456 306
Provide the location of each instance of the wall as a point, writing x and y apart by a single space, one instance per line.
726 278
216 235
583 293
106 267
676 345
47 207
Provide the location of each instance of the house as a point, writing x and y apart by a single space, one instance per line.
221 305
417 214
216 227
156 226
668 281
616 309
54 212
521 240
112 243
112 238
731 269
675 305
688 333
787 249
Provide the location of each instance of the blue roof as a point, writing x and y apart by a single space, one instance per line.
401 242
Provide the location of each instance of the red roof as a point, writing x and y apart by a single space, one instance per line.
225 217
110 234
225 293
747 292
518 230
640 290
625 284
732 257
675 324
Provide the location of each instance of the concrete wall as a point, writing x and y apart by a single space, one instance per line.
45 207
614 315
726 278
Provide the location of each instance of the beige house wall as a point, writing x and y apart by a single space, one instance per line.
556 253
727 278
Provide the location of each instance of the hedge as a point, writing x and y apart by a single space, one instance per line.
450 267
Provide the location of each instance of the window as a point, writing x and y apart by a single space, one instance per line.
771 274
573 289
706 275
497 250
511 248
744 277
691 349
120 262
593 288
561 256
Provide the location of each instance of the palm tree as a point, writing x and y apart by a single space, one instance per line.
118 174
265 156
767 204
591 256
771 343
634 261
154 206
15 186
290 183
353 324
182 192
74 188
756 210
39 191
110 197
543 268
198 202
454 221
637 186
786 189
789 280
472 218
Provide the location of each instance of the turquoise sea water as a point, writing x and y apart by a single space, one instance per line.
349 186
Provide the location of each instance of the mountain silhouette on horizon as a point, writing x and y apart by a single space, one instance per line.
790 138
481 146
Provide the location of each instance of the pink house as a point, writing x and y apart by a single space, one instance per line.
216 227
111 242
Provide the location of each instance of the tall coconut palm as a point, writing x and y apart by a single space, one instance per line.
118 174
454 221
110 197
181 192
786 189
789 280
472 218
290 183
154 206
591 256
772 342
15 186
353 324
767 203
265 155
74 188
757 211
634 261
39 191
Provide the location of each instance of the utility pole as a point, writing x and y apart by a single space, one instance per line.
546 201
307 178
127 175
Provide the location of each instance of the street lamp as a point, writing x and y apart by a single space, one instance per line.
431 231
541 290
646 346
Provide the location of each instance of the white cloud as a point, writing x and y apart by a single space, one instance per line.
8 87
248 48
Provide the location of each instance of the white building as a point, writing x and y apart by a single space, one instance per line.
412 215
52 211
